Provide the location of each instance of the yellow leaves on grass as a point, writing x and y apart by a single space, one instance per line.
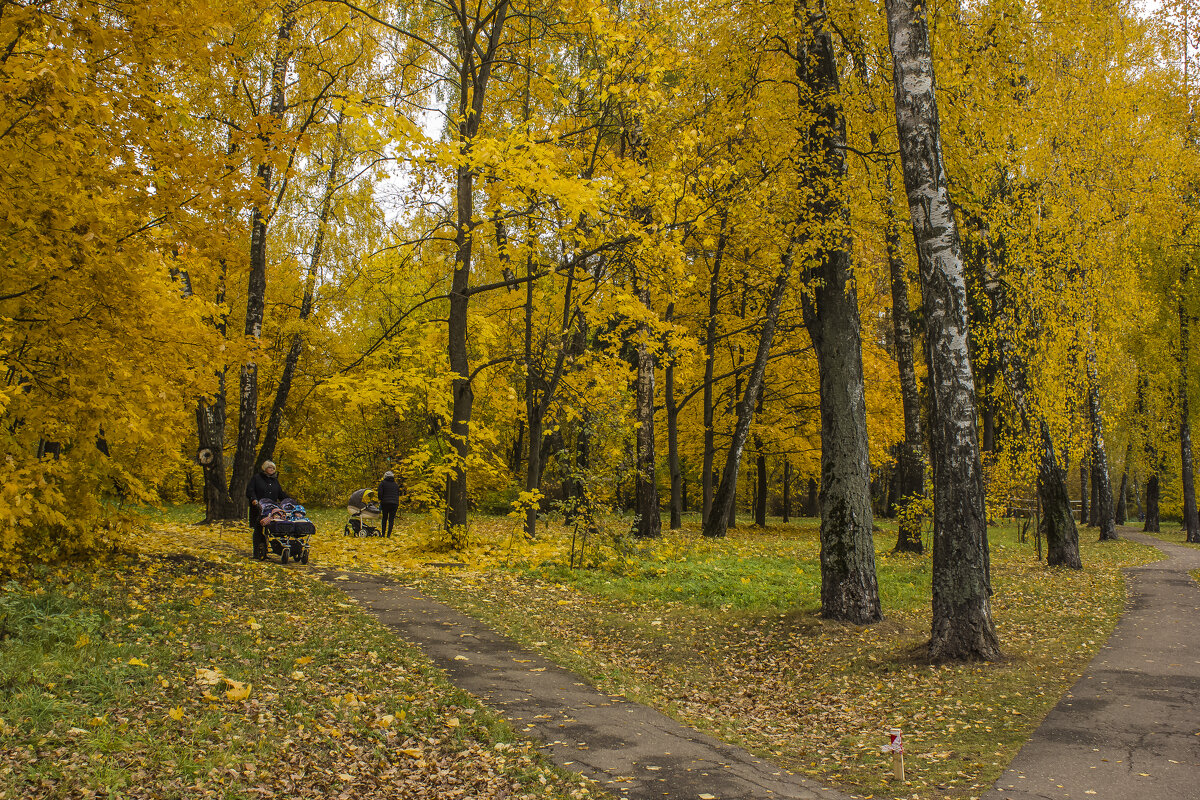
137 662
210 678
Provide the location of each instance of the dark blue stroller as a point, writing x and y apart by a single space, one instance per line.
286 530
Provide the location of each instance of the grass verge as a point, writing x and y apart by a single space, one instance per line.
164 676
725 636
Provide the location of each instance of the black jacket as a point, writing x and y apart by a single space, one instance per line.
389 492
263 486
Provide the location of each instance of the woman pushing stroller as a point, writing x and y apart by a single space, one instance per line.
264 485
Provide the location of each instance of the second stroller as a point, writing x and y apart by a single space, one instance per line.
363 507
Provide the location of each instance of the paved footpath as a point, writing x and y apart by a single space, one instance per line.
1130 728
633 751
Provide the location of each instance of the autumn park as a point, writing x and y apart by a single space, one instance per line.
586 398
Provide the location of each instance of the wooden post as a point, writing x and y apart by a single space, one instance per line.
895 746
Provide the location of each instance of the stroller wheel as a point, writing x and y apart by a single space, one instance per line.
304 557
284 554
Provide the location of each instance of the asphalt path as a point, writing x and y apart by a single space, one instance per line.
1129 729
633 751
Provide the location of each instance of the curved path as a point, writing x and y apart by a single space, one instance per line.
1130 728
633 751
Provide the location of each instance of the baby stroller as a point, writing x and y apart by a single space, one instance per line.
286 528
363 507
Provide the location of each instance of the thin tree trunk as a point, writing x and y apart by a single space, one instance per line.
1102 485
760 483
673 435
1084 502
812 506
724 502
1122 510
962 626
787 491
849 587
710 349
256 291
1191 519
267 451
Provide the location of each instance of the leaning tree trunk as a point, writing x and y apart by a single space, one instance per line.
1057 523
962 618
1105 516
849 587
910 463
271 437
256 290
723 505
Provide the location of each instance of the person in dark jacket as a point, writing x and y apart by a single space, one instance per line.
389 502
263 486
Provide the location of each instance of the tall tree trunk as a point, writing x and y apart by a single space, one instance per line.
210 428
849 587
1152 496
787 491
910 461
1102 485
649 521
267 451
256 291
812 506
1191 520
476 60
673 435
1122 509
760 483
1153 463
1084 502
962 618
723 505
710 350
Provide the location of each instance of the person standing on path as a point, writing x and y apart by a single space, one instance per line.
389 502
264 485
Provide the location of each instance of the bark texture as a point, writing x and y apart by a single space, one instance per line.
910 460
478 41
1105 514
256 291
962 626
849 587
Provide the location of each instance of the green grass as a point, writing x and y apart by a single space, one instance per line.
725 636
171 677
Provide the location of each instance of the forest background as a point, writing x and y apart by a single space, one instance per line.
574 255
